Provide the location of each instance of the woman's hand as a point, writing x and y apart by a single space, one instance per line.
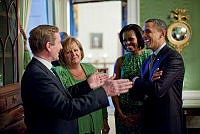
106 128
126 120
130 120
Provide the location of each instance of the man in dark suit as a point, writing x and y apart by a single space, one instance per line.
161 91
49 108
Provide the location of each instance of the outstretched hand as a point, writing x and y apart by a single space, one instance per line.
96 80
156 75
114 87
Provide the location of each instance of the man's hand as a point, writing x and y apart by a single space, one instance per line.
96 80
115 87
112 87
156 75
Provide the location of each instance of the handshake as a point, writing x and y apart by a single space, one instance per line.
112 87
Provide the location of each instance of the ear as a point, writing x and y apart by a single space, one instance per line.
48 46
163 33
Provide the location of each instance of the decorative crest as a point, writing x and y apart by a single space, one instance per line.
178 14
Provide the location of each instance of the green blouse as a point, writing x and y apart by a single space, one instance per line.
130 68
92 122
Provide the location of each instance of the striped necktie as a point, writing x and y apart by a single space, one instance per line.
57 74
153 56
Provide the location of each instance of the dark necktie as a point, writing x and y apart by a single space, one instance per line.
56 74
153 56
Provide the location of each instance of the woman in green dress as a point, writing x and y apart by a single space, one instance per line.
72 71
128 111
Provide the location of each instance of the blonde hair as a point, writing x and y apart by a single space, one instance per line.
66 43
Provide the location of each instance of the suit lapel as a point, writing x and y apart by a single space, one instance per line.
159 58
52 76
144 71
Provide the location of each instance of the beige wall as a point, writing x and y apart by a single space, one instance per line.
105 18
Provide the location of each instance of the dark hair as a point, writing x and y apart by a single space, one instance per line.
138 31
40 35
158 23
63 35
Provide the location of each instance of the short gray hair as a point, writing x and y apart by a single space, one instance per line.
158 23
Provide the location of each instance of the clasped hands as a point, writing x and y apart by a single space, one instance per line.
112 87
130 120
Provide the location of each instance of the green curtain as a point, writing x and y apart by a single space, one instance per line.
25 6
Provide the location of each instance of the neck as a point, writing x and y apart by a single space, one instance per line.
137 52
77 71
43 56
74 66
159 45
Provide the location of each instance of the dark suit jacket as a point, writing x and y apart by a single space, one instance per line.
162 113
49 108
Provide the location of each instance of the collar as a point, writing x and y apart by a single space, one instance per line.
158 50
45 62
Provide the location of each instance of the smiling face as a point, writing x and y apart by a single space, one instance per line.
130 41
73 54
55 48
152 37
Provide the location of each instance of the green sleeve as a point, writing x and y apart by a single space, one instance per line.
64 75
89 69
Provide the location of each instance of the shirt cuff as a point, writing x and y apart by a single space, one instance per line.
133 80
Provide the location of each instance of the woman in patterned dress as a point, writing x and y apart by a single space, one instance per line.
72 71
127 110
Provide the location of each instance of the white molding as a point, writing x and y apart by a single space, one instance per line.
133 11
191 98
68 17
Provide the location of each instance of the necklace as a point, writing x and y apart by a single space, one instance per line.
77 75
